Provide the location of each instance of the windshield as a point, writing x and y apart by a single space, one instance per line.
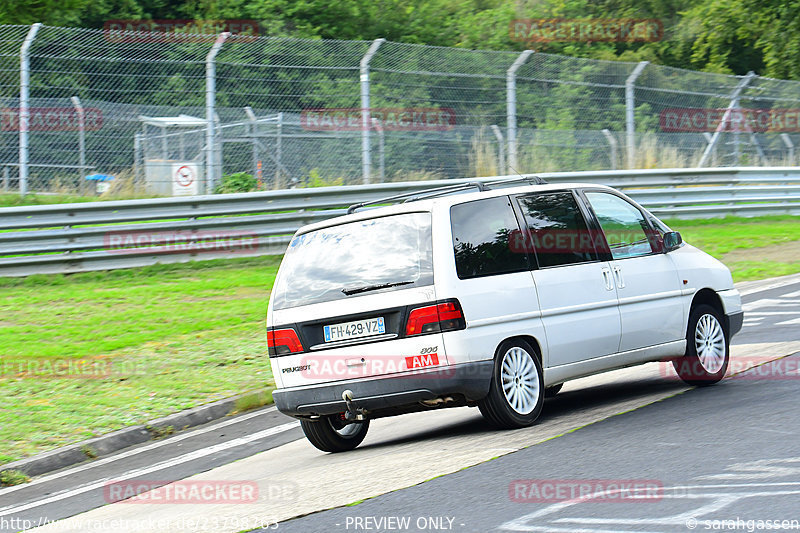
340 262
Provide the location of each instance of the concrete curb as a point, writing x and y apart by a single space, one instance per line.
749 287
117 440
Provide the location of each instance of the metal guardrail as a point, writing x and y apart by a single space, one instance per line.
121 234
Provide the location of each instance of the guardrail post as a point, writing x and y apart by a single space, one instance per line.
725 117
211 95
366 123
24 110
511 110
630 116
612 143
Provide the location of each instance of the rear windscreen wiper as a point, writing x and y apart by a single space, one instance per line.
367 288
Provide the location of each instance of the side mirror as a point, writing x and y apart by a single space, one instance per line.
672 241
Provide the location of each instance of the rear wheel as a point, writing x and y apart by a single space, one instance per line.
332 434
707 348
516 392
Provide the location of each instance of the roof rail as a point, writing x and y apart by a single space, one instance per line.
419 195
531 178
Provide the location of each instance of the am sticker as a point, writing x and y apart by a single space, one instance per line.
421 361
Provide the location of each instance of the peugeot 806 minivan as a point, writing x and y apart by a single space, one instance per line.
490 295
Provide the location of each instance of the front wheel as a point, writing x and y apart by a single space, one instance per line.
332 434
516 392
707 348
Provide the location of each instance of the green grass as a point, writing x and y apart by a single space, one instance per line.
151 341
766 241
9 478
15 200
145 342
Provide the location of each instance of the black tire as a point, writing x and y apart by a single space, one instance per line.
331 434
526 389
707 348
549 392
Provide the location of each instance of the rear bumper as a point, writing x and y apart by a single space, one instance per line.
382 393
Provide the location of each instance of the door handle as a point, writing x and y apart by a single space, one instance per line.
619 278
607 278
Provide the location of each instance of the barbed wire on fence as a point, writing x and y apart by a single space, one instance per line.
138 106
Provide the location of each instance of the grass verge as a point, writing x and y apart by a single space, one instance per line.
90 353
753 248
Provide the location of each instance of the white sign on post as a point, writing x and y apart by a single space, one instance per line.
184 179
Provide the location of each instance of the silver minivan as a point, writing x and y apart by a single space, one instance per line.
489 295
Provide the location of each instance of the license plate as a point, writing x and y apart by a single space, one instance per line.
354 330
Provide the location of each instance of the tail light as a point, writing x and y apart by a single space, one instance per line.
283 342
445 316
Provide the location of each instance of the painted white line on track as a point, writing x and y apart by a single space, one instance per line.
191 456
136 451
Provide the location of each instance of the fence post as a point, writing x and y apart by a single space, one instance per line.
734 103
279 152
790 145
381 149
137 161
501 165
630 117
612 143
511 109
24 110
366 123
253 140
81 140
211 95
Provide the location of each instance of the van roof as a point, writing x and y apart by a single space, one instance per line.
458 197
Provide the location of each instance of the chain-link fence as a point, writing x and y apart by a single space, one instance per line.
164 115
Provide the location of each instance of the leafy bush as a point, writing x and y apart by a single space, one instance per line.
237 182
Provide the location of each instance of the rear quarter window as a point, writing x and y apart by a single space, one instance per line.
483 236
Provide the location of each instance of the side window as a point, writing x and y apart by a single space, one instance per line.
558 231
626 230
483 232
